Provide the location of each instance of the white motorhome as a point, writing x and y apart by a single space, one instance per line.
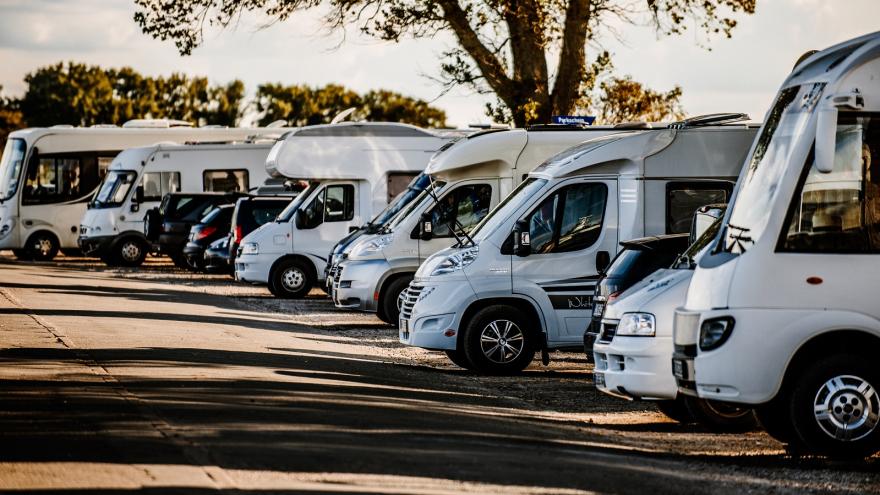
522 282
470 178
138 178
634 343
782 313
354 170
47 175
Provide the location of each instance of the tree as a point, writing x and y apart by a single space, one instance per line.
303 105
625 100
10 116
78 94
504 46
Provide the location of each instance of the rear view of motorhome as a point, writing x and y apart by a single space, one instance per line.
354 170
522 282
48 175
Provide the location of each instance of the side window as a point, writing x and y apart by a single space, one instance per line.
466 205
331 204
398 182
569 220
683 199
158 184
839 211
225 180
60 178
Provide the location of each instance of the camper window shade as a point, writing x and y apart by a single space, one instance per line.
226 180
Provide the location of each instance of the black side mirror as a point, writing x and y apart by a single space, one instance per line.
298 219
353 228
603 259
426 227
522 242
138 199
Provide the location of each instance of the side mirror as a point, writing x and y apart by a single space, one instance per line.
353 228
522 242
603 259
298 219
426 227
138 199
826 139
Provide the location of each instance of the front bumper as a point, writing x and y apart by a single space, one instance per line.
431 316
194 251
254 268
95 245
356 284
635 367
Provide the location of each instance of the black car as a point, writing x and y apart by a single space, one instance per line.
213 226
167 226
217 257
638 259
252 212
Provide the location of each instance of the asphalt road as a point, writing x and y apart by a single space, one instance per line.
111 382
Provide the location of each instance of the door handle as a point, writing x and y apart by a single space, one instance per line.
28 223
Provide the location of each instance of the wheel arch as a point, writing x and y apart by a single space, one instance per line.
310 265
851 340
43 229
532 311
390 277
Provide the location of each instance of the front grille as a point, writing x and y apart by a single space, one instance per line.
608 331
686 326
411 295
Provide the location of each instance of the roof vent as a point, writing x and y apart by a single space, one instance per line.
710 119
104 126
634 125
155 124
276 124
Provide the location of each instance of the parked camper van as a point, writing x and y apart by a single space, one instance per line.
354 169
634 345
471 177
47 175
138 179
522 282
782 313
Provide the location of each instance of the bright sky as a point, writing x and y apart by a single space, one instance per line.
738 75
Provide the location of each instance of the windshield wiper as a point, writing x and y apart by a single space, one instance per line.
453 226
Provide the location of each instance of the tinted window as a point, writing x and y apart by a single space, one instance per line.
398 182
157 184
568 220
466 205
683 199
225 180
218 216
60 178
331 204
189 208
632 265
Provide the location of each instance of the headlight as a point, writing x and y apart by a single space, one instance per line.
456 261
636 325
250 248
372 247
715 332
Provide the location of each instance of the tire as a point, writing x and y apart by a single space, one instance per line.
721 417
152 224
42 246
775 418
130 252
179 261
498 341
840 390
389 299
459 359
22 254
291 279
675 410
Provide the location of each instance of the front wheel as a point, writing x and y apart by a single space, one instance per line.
391 300
775 418
43 246
459 359
498 341
721 417
290 279
675 410
130 252
835 407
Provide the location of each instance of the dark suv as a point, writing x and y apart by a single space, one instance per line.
168 226
638 259
213 226
250 213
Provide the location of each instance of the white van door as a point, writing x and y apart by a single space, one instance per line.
459 208
571 229
326 217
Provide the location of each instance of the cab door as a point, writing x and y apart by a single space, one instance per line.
461 207
324 219
571 230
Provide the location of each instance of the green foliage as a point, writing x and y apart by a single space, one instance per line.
624 100
78 94
303 105
10 116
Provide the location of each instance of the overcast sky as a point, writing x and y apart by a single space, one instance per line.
739 74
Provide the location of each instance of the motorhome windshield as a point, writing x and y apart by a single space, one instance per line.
766 167
406 197
434 189
10 167
114 189
529 188
687 260
287 214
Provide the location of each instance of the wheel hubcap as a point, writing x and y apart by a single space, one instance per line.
130 251
502 341
847 408
43 246
293 279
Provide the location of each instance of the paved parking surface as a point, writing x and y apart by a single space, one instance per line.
161 381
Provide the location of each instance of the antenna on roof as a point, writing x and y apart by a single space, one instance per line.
710 119
341 116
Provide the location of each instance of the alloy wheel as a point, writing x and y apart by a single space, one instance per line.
501 341
847 408
293 279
